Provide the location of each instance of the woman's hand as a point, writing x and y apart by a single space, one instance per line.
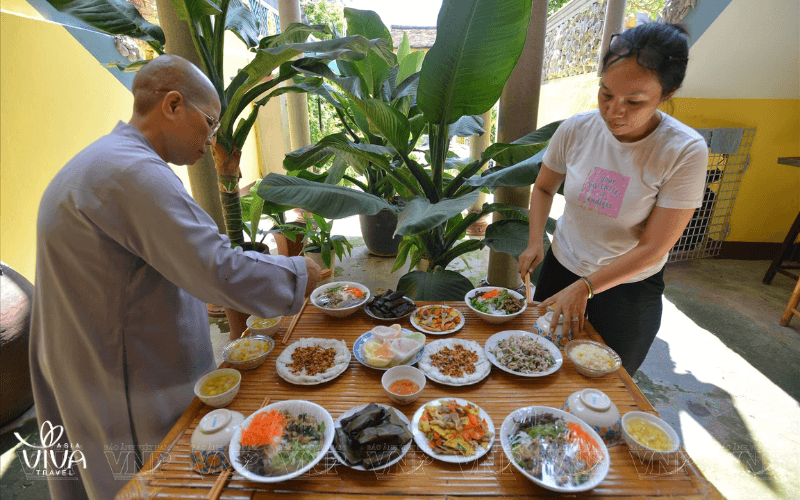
571 303
530 258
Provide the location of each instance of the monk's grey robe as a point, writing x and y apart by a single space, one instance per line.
126 262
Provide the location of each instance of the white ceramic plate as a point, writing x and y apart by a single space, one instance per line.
510 426
295 407
434 332
482 366
422 442
351 411
342 362
491 344
358 346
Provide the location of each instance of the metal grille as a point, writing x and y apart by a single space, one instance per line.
267 17
710 225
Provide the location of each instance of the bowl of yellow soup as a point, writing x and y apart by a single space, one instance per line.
218 388
649 438
248 352
264 326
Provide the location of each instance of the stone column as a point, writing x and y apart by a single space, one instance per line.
299 133
614 23
202 175
477 145
519 105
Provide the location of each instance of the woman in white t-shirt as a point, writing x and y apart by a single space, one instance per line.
633 177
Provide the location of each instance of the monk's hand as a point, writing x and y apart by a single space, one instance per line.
314 273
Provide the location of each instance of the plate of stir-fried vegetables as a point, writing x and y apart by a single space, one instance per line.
554 449
453 430
281 441
437 320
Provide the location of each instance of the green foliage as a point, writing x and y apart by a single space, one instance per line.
317 238
652 8
554 5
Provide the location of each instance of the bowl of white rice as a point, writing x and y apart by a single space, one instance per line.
592 359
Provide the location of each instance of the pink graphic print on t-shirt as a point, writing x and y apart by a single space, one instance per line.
604 189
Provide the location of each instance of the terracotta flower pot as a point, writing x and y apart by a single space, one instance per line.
289 248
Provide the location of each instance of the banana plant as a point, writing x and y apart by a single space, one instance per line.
477 46
393 81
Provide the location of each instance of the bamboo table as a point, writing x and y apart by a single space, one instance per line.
168 473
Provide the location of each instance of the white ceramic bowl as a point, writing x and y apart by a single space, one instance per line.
495 318
585 370
644 452
596 409
249 364
210 440
268 331
295 407
339 313
223 399
403 372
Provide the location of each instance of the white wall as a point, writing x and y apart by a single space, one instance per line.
751 51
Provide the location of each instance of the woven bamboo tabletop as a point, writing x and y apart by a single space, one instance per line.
169 475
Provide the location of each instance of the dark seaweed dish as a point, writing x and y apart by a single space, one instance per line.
279 443
372 437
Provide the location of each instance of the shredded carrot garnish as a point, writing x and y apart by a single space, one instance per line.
355 292
590 452
266 428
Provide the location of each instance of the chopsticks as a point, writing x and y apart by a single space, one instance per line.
528 288
294 322
222 480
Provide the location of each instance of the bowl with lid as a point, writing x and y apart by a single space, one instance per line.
210 441
596 409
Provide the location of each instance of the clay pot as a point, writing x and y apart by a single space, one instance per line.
16 297
289 248
378 231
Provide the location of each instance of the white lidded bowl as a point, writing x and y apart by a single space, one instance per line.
269 331
223 399
210 440
396 373
596 409
495 318
344 312
643 451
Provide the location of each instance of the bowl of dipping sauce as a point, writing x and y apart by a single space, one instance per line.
648 437
218 388
264 326
403 384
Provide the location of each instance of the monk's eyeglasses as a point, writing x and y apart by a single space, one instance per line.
646 57
212 122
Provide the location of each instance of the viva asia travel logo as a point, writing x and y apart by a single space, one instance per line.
52 459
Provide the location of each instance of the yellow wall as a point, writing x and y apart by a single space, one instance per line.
769 196
55 99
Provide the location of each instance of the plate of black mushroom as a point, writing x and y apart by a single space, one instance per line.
371 437
390 306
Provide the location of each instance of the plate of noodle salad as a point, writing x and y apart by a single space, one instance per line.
554 449
281 441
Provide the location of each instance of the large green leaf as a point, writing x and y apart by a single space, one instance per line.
385 121
478 43
192 10
374 68
294 33
410 65
523 148
313 66
407 87
523 173
466 126
404 49
241 21
115 17
339 145
421 215
511 237
436 286
331 202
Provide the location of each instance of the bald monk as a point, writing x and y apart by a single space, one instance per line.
126 262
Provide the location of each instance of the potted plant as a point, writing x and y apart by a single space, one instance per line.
320 245
462 76
391 80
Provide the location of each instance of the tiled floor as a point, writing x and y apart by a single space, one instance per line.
722 371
